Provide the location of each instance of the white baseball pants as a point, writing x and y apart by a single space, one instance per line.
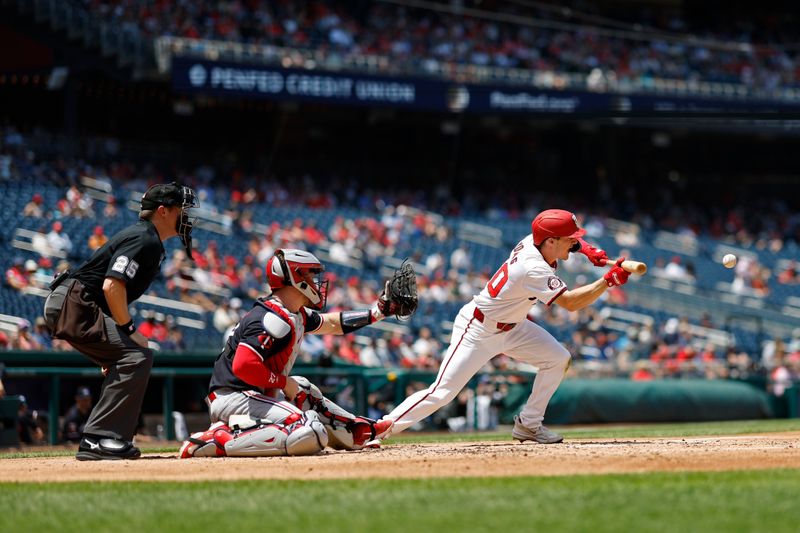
252 403
472 345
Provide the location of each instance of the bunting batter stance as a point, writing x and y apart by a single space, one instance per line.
495 322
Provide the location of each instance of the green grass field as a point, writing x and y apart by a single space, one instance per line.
724 501
743 501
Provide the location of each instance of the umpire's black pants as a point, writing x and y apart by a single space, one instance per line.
117 410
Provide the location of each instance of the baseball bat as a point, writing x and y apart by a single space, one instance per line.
634 267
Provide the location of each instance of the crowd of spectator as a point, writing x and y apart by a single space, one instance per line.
223 285
236 192
498 34
669 349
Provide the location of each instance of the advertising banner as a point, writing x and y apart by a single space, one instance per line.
237 80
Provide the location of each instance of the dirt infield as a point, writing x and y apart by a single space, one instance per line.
476 459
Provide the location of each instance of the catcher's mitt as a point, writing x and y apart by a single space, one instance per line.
399 297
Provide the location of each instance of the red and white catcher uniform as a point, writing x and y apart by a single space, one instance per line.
248 421
494 322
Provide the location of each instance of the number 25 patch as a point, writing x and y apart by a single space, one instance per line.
123 265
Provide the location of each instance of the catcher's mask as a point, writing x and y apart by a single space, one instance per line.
301 270
170 195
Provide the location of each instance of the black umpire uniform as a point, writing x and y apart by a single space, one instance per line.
83 305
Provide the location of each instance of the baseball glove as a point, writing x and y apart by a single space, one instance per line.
399 297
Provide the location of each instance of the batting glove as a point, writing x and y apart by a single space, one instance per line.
617 275
597 256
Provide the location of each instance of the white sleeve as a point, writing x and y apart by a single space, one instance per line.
544 285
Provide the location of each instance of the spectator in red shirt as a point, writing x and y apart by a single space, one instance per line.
789 275
110 210
347 351
97 239
5 343
642 372
312 235
160 331
16 276
34 207
147 325
686 353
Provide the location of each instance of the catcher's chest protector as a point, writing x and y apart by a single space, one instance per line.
295 321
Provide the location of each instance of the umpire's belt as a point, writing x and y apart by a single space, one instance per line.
502 326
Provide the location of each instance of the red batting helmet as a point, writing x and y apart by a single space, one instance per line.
555 223
301 270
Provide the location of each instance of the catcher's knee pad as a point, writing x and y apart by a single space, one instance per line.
303 435
308 438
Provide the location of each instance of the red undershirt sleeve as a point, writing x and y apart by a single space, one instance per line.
249 367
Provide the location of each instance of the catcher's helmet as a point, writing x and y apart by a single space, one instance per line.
301 270
555 223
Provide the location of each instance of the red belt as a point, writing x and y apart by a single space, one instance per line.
502 326
210 398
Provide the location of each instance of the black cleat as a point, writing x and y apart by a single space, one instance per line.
106 449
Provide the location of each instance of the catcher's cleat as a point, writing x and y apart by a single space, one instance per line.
208 443
541 434
94 448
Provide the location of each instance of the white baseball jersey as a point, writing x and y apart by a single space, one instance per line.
524 279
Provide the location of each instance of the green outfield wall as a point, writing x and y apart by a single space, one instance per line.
179 382
582 401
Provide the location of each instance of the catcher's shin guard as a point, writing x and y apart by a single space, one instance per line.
345 430
299 435
307 439
208 443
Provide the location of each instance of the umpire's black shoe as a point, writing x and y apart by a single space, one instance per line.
104 448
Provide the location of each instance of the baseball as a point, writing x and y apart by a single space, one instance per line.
729 260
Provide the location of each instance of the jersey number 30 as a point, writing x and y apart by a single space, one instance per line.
497 282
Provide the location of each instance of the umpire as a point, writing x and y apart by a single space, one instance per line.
89 309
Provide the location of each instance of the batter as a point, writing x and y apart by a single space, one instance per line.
495 322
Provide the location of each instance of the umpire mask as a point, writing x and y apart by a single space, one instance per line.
185 223
172 195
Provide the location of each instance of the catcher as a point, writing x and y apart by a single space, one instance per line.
256 407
